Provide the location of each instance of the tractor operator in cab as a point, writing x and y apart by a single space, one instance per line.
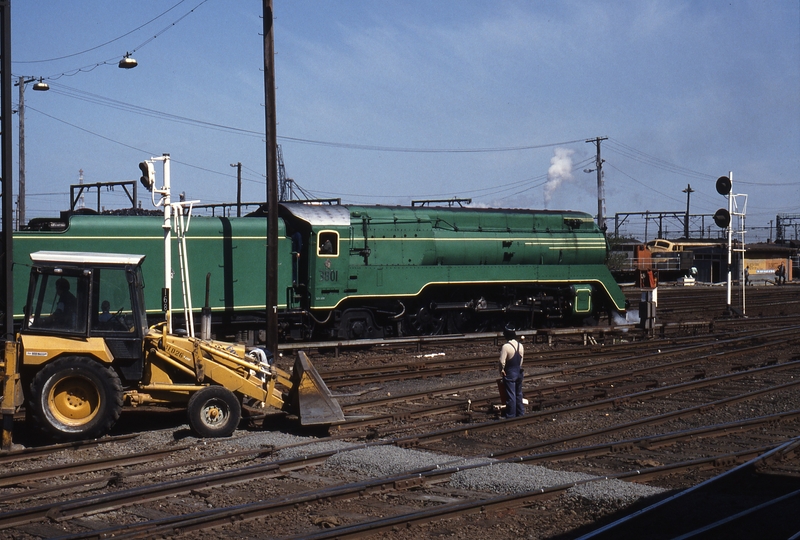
511 370
65 305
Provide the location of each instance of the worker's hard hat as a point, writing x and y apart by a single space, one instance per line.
509 332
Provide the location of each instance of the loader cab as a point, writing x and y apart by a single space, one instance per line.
89 295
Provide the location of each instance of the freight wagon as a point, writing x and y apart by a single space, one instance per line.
351 272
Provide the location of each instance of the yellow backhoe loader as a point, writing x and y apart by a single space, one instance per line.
85 351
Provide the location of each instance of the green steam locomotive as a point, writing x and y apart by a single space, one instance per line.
357 272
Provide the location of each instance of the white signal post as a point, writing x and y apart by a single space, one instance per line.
739 209
723 218
730 239
181 228
148 180
182 220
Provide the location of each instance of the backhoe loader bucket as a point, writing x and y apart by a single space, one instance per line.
312 399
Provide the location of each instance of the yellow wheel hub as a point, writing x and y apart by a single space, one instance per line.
74 401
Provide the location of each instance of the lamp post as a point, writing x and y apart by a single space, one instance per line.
40 86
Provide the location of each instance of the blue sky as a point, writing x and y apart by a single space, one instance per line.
383 102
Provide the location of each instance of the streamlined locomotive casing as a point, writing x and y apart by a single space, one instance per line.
452 261
365 271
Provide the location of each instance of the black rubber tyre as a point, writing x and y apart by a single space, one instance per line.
75 398
214 411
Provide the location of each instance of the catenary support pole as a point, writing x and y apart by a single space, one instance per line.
688 192
601 198
272 179
238 166
11 391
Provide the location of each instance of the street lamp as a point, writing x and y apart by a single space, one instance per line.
127 62
40 86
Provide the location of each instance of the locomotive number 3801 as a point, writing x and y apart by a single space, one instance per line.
328 275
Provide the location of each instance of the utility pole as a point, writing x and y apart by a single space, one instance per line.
272 179
21 112
12 393
40 86
688 192
601 198
238 166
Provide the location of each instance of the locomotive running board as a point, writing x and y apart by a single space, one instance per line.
311 397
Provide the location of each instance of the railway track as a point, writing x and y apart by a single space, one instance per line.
415 479
705 404
440 366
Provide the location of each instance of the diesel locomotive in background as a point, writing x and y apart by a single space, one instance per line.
355 272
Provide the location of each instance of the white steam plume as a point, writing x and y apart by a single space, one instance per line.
560 170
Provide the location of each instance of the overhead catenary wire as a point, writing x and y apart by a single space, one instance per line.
96 99
94 48
616 146
115 59
651 188
90 97
143 151
427 150
526 184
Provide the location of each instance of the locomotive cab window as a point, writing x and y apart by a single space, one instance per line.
328 243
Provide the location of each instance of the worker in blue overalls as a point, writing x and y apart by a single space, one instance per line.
511 371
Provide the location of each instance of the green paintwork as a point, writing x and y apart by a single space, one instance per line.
232 250
413 248
381 252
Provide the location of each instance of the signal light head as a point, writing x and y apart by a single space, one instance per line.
723 185
148 177
722 218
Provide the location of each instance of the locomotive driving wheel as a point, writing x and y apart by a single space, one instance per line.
425 322
459 322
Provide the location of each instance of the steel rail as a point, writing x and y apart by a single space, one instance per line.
647 442
21 476
351 375
542 391
601 332
625 330
225 482
492 361
539 356
735 520
462 408
415 440
114 501
30 453
179 525
119 477
128 497
617 527
101 502
514 500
